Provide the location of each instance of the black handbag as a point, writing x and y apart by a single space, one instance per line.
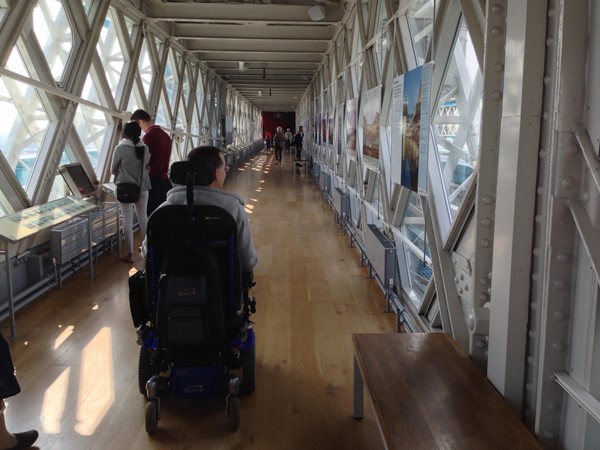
130 192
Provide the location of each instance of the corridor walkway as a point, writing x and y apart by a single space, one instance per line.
76 353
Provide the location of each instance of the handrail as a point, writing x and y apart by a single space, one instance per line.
587 233
589 154
580 394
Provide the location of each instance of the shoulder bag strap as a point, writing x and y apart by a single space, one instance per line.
142 170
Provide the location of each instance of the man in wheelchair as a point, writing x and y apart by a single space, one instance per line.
209 192
194 327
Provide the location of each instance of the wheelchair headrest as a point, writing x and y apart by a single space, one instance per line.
203 173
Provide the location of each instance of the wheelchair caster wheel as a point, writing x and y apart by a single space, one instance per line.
152 416
232 406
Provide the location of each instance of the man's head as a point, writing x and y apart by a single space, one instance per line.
142 118
214 157
301 129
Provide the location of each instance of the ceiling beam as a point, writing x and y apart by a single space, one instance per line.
254 45
261 57
272 66
243 13
226 31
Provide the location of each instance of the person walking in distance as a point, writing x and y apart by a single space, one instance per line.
279 143
299 141
288 139
268 139
159 143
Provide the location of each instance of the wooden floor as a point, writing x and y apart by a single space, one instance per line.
76 352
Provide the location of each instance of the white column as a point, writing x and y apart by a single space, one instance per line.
516 195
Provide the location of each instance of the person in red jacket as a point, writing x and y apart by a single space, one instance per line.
159 143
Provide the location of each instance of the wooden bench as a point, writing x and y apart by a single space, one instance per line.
428 395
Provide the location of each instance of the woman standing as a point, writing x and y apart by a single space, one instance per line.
129 165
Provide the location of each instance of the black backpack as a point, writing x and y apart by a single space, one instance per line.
190 303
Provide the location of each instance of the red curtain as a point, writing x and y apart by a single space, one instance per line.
272 120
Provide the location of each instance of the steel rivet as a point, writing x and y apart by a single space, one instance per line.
496 9
560 284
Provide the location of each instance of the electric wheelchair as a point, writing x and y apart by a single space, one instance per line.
194 326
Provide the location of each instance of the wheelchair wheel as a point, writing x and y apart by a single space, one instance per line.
144 369
151 416
248 370
233 412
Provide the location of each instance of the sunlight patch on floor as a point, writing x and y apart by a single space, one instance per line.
96 381
54 402
62 337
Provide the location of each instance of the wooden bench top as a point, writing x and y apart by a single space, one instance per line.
427 395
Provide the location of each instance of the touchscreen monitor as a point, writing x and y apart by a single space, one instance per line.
77 180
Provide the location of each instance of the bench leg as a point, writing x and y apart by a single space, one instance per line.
358 392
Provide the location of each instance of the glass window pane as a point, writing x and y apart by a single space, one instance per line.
92 124
24 121
159 45
111 52
420 24
4 205
59 187
145 68
185 88
87 6
195 127
200 94
135 101
132 28
181 118
416 249
162 117
382 44
456 122
170 78
53 31
3 11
